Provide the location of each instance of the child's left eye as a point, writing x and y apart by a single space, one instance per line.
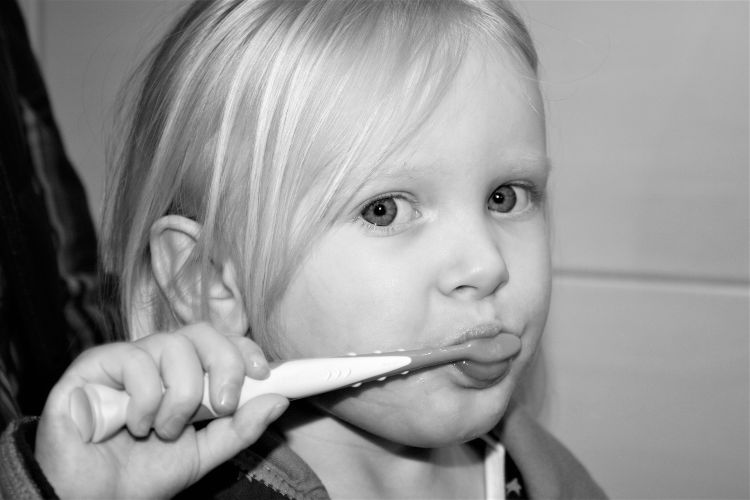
388 211
508 198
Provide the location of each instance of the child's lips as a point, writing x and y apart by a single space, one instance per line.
492 354
484 374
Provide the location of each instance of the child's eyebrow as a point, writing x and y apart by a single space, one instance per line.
515 164
524 163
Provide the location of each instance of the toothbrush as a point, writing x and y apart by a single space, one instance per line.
99 411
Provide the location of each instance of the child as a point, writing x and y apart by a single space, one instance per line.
306 179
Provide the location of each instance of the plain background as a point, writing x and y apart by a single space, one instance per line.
644 371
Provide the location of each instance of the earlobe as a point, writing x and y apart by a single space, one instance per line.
173 239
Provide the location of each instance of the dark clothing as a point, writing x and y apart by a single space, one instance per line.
49 299
269 470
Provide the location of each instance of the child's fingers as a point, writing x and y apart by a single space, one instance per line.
142 382
120 366
182 377
224 363
225 437
256 365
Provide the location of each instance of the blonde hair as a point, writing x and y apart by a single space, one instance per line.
261 118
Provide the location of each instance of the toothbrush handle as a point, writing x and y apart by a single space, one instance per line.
99 411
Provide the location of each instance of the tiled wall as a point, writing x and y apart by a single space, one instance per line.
645 368
646 355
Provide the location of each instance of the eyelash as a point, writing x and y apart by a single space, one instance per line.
393 228
535 196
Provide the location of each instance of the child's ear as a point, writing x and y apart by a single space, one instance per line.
173 239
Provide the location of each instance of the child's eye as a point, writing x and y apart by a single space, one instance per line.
509 197
388 211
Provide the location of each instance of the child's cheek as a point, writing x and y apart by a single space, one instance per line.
346 299
424 411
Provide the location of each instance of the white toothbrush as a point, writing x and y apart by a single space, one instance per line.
99 411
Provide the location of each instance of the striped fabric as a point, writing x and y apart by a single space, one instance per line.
50 307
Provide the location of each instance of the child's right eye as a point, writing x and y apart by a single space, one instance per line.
388 213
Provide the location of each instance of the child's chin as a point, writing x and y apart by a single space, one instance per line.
424 429
435 433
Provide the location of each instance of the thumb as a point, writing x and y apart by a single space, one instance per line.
225 437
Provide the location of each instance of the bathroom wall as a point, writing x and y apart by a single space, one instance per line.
644 371
647 343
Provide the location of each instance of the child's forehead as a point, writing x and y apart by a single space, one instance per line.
487 120
492 109
365 123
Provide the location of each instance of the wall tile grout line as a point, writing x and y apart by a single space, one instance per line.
625 278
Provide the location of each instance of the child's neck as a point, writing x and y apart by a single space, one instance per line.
355 464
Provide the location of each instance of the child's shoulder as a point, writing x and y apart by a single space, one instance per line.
547 467
269 469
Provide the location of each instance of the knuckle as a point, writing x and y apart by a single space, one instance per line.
148 396
199 328
149 339
88 354
171 340
177 340
139 357
184 396
230 363
96 352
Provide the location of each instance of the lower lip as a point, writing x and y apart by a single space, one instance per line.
481 375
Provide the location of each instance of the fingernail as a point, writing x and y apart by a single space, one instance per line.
260 369
276 411
173 428
229 396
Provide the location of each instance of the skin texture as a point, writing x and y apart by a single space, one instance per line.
449 263
138 462
425 255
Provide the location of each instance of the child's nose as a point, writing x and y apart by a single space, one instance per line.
474 266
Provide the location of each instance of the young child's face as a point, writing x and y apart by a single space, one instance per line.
450 236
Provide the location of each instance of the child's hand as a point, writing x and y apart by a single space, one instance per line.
137 462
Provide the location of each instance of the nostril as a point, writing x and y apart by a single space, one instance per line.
466 291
